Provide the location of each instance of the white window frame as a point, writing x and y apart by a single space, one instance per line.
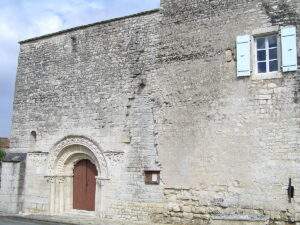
254 62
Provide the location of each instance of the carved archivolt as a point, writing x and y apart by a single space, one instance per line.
67 152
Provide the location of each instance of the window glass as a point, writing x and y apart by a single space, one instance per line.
272 41
261 55
273 53
262 67
154 177
266 54
260 43
273 65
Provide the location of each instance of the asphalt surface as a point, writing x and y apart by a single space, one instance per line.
13 221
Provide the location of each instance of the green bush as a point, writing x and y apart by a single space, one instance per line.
2 154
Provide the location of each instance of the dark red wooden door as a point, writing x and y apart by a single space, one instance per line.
84 185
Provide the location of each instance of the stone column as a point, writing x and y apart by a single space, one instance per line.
68 193
61 181
101 184
51 200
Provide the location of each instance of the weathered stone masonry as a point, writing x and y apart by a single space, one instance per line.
159 91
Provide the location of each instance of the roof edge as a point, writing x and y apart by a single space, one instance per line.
89 25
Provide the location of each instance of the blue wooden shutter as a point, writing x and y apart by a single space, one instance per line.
243 56
288 48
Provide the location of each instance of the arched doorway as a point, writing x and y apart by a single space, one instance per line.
64 158
84 185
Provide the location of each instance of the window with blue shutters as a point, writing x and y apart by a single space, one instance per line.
265 56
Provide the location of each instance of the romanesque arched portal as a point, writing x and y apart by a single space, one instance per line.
62 159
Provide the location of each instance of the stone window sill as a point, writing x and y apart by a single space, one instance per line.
265 76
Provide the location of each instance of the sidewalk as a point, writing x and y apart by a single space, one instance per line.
4 220
73 219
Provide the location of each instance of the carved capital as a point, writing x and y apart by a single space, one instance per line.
101 181
114 157
61 179
50 179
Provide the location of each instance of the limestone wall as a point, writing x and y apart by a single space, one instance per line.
157 90
225 143
36 189
11 186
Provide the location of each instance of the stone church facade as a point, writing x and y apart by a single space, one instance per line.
185 114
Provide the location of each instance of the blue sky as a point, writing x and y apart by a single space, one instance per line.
22 19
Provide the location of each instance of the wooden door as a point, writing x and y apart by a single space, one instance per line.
84 185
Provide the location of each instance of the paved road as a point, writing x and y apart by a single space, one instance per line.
14 221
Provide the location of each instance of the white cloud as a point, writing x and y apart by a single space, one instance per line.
60 14
48 24
6 32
